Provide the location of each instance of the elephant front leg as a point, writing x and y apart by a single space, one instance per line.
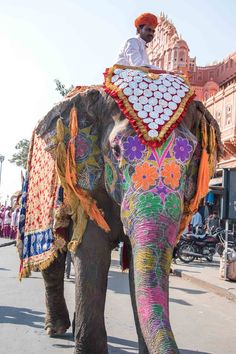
57 317
92 262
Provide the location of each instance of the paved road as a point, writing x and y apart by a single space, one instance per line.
202 322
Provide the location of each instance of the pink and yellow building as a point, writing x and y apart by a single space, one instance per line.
214 84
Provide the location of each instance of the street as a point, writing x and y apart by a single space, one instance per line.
202 322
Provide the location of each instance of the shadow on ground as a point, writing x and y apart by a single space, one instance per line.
189 291
21 316
126 346
187 351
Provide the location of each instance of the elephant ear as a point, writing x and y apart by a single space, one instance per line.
79 159
202 166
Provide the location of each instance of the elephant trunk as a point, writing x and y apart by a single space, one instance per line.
152 247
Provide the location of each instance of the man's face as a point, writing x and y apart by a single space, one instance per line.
146 33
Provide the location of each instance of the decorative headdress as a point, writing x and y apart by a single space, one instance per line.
146 19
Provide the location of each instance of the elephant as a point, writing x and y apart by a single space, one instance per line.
126 189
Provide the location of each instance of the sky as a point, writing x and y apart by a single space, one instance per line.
74 41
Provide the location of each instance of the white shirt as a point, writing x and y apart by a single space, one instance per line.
133 53
196 220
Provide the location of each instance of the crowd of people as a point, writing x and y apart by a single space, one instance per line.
9 219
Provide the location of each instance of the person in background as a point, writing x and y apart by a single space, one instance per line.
133 52
68 264
14 222
7 223
196 221
213 221
2 215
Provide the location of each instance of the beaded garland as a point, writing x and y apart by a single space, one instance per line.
153 101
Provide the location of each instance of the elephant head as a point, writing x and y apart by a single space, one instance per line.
151 185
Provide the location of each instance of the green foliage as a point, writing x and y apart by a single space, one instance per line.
61 88
20 157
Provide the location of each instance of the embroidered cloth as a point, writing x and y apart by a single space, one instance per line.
38 247
153 101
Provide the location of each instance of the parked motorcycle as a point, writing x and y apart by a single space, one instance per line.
201 245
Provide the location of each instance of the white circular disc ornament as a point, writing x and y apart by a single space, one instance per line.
172 106
123 74
172 90
163 103
170 78
132 72
148 120
176 99
128 79
152 87
153 133
142 114
167 96
143 85
154 114
133 84
138 106
153 125
166 83
141 73
115 78
158 94
152 101
118 82
157 81
117 71
164 117
143 100
176 85
138 79
159 121
123 85
148 93
128 91
168 112
147 108
133 99
180 93
162 88
138 92
147 80
158 109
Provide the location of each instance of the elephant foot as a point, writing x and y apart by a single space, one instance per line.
57 329
53 332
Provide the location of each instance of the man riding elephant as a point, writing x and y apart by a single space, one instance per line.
128 161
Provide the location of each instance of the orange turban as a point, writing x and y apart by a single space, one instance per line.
146 19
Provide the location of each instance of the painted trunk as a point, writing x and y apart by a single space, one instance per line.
153 243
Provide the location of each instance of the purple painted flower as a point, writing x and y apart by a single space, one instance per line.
133 148
182 149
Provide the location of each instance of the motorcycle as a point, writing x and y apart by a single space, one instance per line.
200 245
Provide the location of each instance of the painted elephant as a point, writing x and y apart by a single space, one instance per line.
127 189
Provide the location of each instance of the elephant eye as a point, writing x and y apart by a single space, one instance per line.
116 150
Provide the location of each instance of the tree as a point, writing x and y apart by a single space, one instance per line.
20 157
61 88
